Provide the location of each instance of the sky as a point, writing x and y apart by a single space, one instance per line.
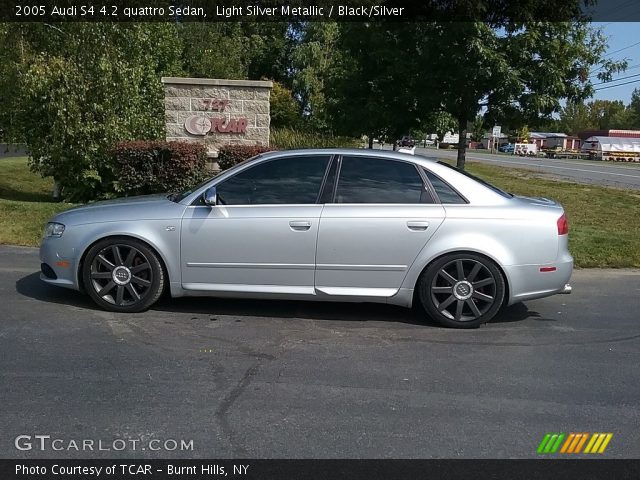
624 43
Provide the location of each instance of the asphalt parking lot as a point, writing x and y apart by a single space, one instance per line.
268 379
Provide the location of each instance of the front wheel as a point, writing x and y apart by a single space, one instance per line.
462 290
123 275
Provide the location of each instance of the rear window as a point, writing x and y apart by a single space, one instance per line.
445 193
479 180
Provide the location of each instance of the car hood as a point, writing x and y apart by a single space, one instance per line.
145 207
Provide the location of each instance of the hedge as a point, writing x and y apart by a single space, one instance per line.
229 155
144 167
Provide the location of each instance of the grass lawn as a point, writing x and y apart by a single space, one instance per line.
25 203
604 222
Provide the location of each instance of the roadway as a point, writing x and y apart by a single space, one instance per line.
621 175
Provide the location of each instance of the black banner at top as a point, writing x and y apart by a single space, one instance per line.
491 11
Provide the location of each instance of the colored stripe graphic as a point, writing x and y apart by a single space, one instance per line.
597 443
550 443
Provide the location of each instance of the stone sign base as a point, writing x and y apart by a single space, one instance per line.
217 112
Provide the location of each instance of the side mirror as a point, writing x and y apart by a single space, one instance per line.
210 196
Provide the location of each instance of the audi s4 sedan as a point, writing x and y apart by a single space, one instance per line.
319 224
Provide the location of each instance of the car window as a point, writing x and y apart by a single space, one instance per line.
379 180
290 180
445 193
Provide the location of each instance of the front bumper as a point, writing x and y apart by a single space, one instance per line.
59 265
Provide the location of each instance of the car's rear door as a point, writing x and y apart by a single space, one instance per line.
261 237
378 218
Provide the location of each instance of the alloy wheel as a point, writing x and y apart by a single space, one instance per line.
121 275
463 290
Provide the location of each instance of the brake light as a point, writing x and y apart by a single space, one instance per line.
563 225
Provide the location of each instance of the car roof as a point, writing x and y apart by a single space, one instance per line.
363 152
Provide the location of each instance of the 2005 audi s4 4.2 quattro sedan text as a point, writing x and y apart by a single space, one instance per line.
339 224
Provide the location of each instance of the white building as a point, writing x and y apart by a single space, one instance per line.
613 148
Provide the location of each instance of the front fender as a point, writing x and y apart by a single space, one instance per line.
161 235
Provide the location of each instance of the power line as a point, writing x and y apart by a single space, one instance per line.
622 49
621 78
632 67
619 85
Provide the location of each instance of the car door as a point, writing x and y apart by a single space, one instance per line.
261 235
381 215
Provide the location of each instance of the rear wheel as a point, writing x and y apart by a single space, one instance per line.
123 275
462 290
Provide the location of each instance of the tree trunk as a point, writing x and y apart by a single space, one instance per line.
57 190
371 141
462 143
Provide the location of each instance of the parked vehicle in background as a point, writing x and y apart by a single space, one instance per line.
508 148
525 149
406 141
319 224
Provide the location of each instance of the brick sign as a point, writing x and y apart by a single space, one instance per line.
217 112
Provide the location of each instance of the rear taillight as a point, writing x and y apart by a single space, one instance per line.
563 225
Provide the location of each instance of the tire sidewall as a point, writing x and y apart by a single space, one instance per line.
157 284
425 290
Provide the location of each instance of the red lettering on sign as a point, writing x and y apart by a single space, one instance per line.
232 126
215 104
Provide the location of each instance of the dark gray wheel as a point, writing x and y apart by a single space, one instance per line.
462 290
123 275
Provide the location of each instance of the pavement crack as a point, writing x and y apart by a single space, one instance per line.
226 404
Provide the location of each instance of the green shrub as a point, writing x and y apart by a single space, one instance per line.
143 167
229 155
286 139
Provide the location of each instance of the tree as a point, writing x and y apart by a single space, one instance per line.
285 111
440 123
608 114
575 117
598 115
372 90
523 134
81 88
313 61
214 50
477 129
515 69
634 108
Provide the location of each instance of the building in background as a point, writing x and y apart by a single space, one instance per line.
615 149
555 141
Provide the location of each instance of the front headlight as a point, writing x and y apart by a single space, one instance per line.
53 229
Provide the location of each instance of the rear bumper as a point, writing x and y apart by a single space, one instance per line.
527 282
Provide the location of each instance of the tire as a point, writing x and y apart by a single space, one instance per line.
462 290
122 274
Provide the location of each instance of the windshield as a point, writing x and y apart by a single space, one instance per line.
178 197
479 180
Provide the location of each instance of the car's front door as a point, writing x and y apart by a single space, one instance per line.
261 236
381 216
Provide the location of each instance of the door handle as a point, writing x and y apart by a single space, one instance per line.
300 225
417 226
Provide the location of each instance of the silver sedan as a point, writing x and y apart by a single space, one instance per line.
336 225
